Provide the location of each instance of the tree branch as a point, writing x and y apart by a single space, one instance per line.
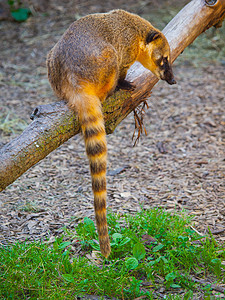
54 124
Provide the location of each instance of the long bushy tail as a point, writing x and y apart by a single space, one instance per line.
90 116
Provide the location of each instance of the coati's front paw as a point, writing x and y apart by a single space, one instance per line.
125 85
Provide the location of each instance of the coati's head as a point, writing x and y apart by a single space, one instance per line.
155 56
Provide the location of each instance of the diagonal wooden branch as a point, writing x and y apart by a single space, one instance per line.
54 124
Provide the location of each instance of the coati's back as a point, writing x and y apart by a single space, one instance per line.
84 48
85 66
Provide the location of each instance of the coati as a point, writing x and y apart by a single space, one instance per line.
86 65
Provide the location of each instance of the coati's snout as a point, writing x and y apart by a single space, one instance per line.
171 81
162 68
166 72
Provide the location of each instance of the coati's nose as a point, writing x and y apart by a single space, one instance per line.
170 79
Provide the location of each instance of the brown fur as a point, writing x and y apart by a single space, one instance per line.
86 65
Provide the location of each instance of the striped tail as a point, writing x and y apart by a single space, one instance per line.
93 128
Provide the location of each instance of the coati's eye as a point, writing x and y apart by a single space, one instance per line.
162 62
165 59
159 61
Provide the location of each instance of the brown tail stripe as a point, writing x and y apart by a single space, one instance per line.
90 119
99 205
90 132
99 184
101 221
97 167
97 149
103 231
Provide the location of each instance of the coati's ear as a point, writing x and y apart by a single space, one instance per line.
152 35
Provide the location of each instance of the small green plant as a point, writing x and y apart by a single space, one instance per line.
18 12
170 278
138 254
134 290
119 243
217 266
87 234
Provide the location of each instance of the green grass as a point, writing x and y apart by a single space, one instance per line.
151 250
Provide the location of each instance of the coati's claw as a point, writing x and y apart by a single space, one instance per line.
125 85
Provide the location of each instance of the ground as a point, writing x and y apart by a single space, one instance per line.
179 165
